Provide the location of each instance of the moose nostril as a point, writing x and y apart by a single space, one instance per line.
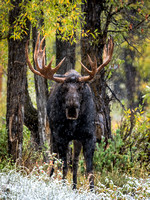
72 103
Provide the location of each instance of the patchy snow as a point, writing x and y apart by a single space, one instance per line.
18 185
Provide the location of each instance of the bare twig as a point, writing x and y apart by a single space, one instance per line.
115 97
129 43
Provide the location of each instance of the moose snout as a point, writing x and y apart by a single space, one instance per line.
72 100
72 107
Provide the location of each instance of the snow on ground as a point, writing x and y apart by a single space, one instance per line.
15 185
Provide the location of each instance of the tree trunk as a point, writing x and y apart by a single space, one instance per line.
41 98
130 76
16 86
65 49
31 119
94 47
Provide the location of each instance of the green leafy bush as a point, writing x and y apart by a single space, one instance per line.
110 158
5 159
135 133
3 141
130 147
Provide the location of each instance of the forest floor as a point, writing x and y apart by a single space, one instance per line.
18 184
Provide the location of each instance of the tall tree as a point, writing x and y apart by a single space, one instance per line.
130 76
41 98
16 83
93 10
101 18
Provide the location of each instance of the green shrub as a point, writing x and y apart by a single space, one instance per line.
130 147
5 160
110 158
135 133
3 141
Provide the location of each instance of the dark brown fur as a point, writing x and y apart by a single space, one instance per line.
76 123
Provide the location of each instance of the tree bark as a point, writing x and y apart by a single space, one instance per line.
16 86
94 47
41 98
130 76
65 49
31 118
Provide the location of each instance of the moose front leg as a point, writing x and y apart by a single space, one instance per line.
62 150
88 151
53 150
77 150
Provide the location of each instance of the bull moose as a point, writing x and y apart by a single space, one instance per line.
70 108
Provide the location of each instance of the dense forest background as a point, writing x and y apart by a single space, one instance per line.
121 90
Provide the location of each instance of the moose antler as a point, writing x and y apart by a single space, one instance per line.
91 73
107 54
48 72
39 58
